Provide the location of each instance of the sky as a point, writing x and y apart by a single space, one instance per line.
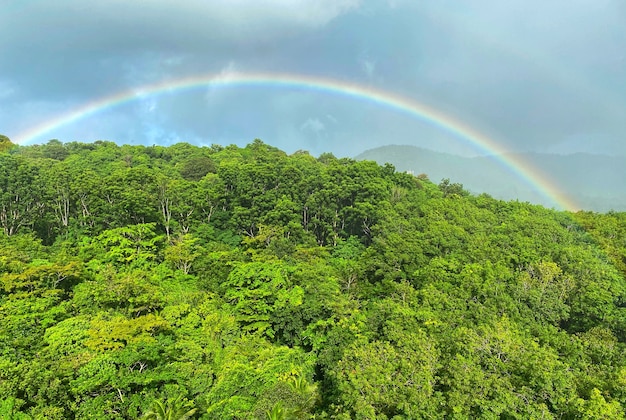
530 75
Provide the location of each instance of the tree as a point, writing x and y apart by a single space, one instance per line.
451 189
195 168
10 410
54 149
256 291
21 195
57 181
376 379
277 412
597 407
5 144
130 245
183 252
356 292
171 409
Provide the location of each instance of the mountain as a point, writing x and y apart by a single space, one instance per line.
594 182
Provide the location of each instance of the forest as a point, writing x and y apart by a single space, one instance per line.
230 282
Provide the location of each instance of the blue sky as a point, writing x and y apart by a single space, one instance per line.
532 75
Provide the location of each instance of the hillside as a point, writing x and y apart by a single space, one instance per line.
245 283
596 182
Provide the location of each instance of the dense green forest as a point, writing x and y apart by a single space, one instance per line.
245 283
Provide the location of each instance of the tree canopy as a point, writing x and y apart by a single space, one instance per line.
242 282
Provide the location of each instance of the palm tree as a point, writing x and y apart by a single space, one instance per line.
277 412
170 410
307 393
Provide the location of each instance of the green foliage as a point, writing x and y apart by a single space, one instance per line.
54 149
196 168
451 190
9 409
277 412
183 252
598 408
256 291
175 409
5 144
133 245
227 282
21 194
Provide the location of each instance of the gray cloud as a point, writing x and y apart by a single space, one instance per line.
545 76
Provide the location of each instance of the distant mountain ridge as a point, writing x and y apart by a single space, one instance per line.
594 182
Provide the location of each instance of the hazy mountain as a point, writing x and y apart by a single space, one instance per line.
595 182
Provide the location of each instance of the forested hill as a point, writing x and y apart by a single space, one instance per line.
595 182
243 283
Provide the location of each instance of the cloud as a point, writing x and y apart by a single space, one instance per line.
332 119
314 125
531 77
368 65
261 12
82 48
162 24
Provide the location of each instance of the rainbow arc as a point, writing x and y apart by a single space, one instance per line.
412 108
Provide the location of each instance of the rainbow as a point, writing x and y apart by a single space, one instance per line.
410 107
